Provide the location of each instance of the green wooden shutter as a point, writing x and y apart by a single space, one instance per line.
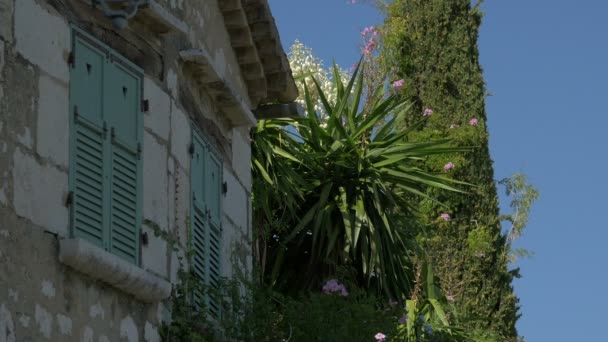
213 186
87 148
106 135
213 182
198 238
206 178
122 90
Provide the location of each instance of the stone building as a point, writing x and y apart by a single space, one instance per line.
124 141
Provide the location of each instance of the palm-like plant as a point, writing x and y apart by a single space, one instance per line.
345 184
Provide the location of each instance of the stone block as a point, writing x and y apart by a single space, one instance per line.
7 327
180 136
241 156
182 205
236 202
157 118
154 255
229 236
1 57
172 83
155 196
151 333
6 19
53 128
39 192
178 260
42 37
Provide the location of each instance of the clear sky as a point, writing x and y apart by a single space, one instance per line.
546 65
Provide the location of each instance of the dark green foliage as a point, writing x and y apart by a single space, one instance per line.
252 312
432 45
334 194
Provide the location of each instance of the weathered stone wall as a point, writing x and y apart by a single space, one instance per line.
40 298
206 30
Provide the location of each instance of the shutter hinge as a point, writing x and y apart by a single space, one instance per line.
76 113
105 130
71 59
144 238
138 151
69 199
224 187
145 106
191 149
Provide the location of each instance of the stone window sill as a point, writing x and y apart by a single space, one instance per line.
97 263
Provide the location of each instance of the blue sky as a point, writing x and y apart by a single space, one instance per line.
546 65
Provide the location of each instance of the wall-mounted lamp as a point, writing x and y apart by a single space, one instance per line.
120 11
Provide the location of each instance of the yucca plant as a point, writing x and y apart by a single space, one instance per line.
337 194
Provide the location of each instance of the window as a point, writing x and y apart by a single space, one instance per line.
106 128
206 215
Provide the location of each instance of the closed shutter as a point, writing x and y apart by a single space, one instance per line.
206 176
87 146
199 217
107 128
213 182
122 112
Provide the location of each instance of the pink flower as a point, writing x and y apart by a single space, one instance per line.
371 30
403 319
369 34
450 298
473 122
445 217
333 286
369 47
397 85
380 337
449 166
427 112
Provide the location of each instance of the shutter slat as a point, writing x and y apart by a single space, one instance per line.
91 191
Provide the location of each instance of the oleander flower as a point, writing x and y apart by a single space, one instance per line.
333 286
445 217
450 298
380 337
427 112
397 85
449 166
473 122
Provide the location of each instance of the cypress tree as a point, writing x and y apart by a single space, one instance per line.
432 45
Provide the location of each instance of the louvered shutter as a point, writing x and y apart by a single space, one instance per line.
122 90
206 176
198 217
87 148
106 135
213 184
